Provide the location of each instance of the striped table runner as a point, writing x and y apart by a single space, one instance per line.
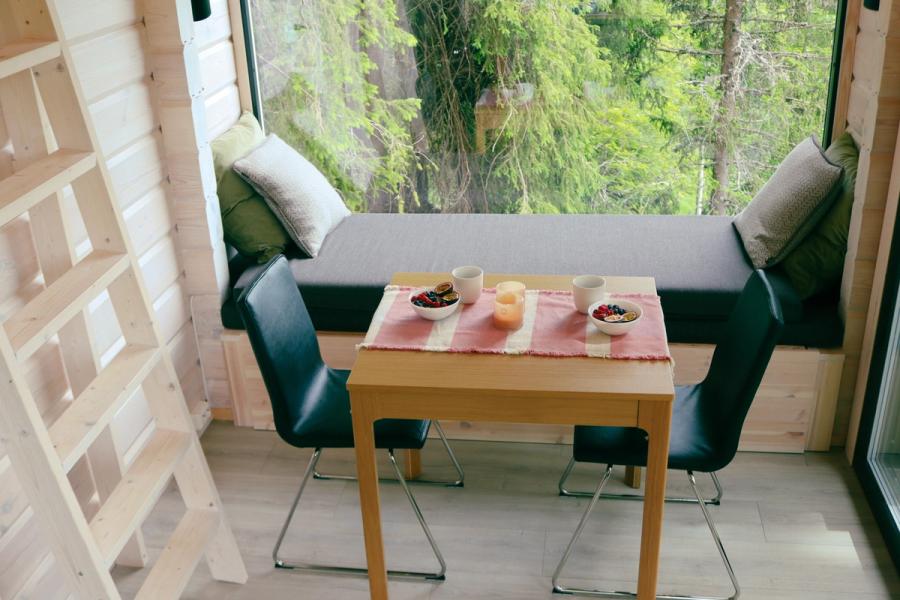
552 328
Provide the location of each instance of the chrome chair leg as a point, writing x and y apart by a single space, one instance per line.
584 519
561 589
290 517
563 491
460 475
421 519
335 570
715 535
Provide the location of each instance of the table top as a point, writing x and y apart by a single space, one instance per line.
518 375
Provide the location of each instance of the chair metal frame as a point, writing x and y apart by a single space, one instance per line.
558 588
336 570
563 491
460 475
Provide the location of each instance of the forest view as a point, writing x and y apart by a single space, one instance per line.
544 106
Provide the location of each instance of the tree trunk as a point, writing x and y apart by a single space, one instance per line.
701 179
729 84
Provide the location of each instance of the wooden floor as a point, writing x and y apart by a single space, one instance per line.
796 527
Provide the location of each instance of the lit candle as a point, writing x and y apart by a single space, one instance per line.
516 287
509 306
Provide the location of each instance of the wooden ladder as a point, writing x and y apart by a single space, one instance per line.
56 154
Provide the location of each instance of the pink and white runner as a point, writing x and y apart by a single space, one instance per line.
552 328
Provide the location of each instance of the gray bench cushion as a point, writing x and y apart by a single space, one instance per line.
698 262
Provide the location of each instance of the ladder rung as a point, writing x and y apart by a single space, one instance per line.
47 312
23 189
83 421
175 565
26 54
137 492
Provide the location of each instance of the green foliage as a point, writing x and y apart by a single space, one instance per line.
608 106
320 93
545 157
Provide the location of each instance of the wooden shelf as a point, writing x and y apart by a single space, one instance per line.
23 189
47 312
175 565
137 493
84 420
26 54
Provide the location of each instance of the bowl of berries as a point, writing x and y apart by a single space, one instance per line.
615 319
435 303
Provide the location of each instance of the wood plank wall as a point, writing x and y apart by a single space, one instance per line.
873 115
110 54
220 46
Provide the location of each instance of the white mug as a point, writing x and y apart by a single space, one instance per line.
468 281
587 289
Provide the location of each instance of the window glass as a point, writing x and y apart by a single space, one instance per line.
544 106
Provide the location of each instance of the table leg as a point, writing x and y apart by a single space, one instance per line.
412 464
367 471
633 477
654 418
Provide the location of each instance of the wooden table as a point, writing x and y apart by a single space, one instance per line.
517 389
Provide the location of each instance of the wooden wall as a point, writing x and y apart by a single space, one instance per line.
220 48
872 116
110 53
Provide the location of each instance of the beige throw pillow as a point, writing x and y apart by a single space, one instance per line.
299 195
789 205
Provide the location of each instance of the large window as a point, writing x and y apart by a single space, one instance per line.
512 106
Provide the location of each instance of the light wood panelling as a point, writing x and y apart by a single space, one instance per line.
873 115
22 548
172 310
149 220
124 116
848 49
137 170
92 17
45 583
217 68
223 108
160 266
111 61
879 274
214 29
194 77
798 386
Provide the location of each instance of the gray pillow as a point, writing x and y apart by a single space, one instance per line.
789 205
299 195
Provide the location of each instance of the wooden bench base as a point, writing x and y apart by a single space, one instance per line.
793 411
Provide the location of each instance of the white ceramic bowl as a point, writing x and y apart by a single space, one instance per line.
617 328
433 314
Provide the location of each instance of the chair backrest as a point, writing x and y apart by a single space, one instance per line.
284 342
739 362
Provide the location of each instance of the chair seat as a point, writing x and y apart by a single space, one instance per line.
691 447
328 424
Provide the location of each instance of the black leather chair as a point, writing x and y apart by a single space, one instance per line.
310 402
707 419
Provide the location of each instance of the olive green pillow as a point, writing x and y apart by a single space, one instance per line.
817 263
248 223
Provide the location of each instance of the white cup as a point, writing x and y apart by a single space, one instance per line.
468 281
587 289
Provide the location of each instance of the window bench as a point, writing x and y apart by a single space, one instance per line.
698 263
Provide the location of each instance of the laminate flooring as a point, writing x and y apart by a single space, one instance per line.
796 527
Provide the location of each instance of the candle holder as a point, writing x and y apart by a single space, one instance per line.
509 305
